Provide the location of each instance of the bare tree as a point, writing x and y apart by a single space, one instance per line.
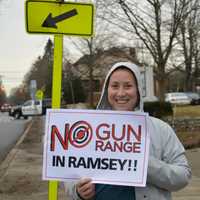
2 92
155 23
89 48
188 38
196 74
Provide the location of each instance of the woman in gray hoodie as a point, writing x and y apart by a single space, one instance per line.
168 168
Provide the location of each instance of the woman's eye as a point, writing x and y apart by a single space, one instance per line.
128 86
114 86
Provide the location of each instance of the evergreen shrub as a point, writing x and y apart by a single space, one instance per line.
158 109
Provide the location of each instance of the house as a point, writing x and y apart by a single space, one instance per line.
100 63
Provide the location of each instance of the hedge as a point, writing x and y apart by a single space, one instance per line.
158 109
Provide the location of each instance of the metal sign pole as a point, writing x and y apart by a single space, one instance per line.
56 96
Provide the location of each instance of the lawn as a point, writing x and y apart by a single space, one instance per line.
190 139
186 111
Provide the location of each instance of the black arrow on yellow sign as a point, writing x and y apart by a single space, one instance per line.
51 21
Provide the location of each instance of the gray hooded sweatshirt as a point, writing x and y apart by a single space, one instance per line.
168 168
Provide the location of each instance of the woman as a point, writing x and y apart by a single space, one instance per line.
168 169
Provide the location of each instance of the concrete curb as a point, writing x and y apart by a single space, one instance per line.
11 155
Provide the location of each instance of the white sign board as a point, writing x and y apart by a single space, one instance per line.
108 146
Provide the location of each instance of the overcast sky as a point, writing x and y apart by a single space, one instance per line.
18 49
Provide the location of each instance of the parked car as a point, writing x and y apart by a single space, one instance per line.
177 98
195 97
16 112
5 107
30 108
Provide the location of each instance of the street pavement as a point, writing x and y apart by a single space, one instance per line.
192 191
10 131
21 171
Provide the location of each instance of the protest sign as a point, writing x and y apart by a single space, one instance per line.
108 146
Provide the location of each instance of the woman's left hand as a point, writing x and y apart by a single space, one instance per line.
85 188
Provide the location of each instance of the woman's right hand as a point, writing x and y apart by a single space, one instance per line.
85 188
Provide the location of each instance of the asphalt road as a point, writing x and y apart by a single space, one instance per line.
10 131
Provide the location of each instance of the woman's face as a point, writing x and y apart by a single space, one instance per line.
122 90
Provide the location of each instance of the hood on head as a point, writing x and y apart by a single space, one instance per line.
103 103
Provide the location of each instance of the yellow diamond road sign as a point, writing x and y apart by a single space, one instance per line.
39 94
59 18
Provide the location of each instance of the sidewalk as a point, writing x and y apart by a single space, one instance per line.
192 191
21 172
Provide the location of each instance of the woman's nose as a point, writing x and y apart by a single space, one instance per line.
121 91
